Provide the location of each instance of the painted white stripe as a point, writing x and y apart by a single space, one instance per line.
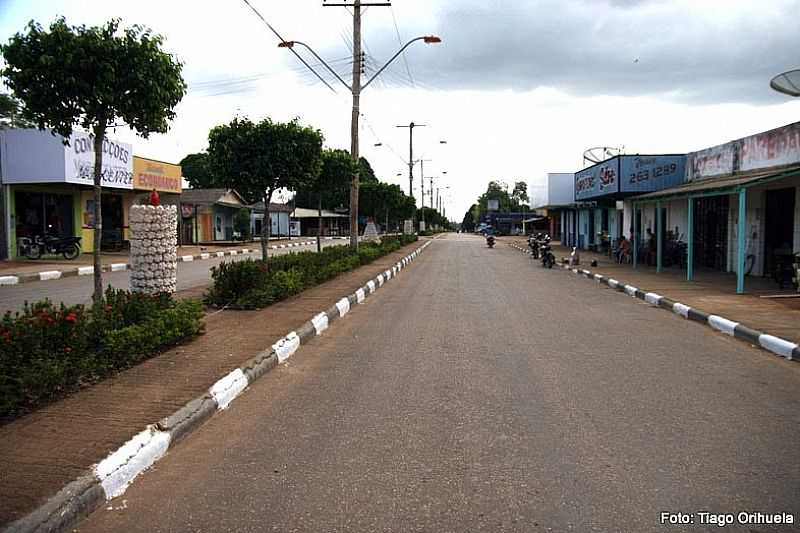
388 274
360 296
598 277
320 323
85 271
205 255
575 271
613 283
343 306
630 290
285 347
274 247
777 345
234 252
119 469
652 298
50 274
226 389
680 309
116 267
722 324
380 280
220 254
9 280
585 272
187 258
371 286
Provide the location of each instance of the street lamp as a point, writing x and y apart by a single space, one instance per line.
355 89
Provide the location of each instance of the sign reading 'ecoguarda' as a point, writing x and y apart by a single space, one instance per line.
117 169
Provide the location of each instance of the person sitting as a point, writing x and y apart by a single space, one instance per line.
624 252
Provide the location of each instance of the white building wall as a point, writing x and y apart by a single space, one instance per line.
678 217
627 219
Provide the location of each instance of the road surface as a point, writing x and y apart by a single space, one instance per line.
78 289
480 392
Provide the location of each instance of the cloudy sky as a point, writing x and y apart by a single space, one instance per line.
517 89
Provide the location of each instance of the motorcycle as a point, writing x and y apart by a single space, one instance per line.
796 277
533 244
490 241
546 253
69 247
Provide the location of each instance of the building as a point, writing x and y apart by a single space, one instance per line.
600 216
737 209
333 224
559 205
278 213
207 215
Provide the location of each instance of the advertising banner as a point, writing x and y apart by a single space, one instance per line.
117 162
149 174
775 148
598 180
650 173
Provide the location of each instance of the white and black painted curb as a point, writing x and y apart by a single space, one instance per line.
16 279
771 343
112 476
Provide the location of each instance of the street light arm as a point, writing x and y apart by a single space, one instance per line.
426 38
290 45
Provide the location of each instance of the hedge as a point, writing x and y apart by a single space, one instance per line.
252 284
48 350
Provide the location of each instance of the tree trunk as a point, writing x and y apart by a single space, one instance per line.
266 228
319 222
99 136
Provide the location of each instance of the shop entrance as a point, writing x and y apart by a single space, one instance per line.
778 229
711 232
113 222
43 214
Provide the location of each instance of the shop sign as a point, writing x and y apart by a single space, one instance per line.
714 161
187 210
149 175
117 162
650 173
598 180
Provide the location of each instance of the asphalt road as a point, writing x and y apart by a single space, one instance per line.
480 392
78 289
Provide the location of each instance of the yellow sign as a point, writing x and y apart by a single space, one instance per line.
149 174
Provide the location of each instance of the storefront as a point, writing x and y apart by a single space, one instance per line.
166 179
609 183
739 206
207 215
47 186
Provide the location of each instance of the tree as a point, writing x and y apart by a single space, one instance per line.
257 159
519 193
194 168
11 113
93 77
241 223
365 173
332 182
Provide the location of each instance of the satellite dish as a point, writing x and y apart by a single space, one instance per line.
600 153
787 83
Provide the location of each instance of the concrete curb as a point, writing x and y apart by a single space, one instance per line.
113 267
770 343
111 477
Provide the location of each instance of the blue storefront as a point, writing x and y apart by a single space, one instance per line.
601 189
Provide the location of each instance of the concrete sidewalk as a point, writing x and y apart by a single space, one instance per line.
711 292
49 448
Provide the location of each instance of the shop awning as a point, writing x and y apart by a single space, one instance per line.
721 185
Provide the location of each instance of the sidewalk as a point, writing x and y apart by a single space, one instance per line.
711 292
49 448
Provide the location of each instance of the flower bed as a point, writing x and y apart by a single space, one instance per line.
251 284
48 350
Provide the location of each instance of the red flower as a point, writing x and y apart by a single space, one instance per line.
71 318
67 349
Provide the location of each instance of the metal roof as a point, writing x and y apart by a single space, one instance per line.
721 183
303 212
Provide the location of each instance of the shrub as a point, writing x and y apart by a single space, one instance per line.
251 284
47 350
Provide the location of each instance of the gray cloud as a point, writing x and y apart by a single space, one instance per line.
617 47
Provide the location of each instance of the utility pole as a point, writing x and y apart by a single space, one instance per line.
411 161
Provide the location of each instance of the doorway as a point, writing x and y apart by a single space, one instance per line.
113 222
778 228
711 232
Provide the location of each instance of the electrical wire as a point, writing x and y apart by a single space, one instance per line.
400 42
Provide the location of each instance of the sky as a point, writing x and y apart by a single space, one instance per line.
516 89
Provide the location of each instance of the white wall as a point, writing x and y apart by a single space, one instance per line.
31 156
560 189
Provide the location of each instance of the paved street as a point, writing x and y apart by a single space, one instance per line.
480 392
78 290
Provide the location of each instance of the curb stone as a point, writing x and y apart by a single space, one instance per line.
776 345
111 477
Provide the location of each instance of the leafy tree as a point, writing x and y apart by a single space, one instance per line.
385 203
241 223
257 159
12 114
93 77
331 184
519 193
194 168
471 218
365 173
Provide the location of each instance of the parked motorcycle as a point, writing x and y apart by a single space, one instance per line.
490 241
69 247
546 252
533 244
796 277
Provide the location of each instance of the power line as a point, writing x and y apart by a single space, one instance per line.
283 41
400 41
